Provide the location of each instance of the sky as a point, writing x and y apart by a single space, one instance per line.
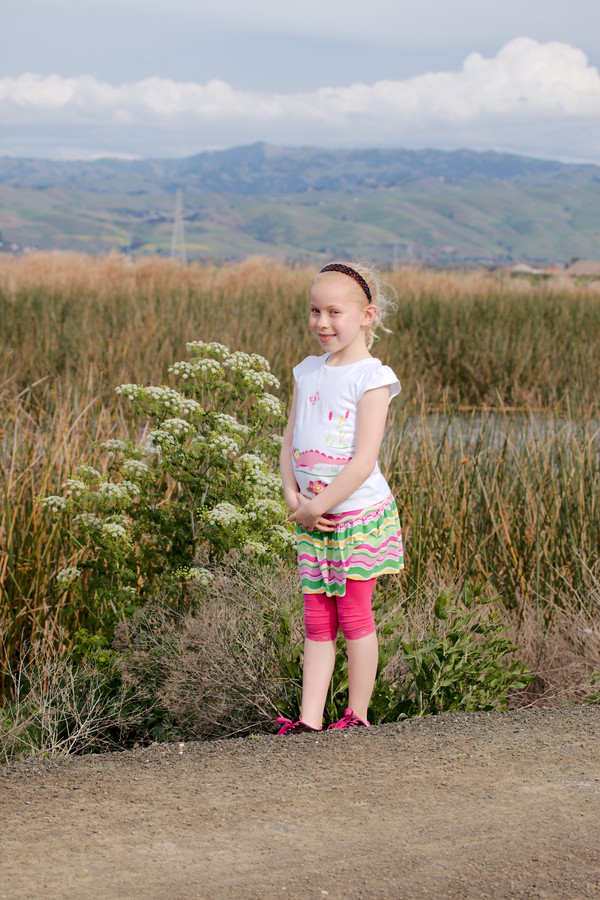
169 78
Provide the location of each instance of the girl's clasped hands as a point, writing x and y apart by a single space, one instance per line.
306 516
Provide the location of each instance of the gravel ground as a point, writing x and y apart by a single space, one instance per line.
491 805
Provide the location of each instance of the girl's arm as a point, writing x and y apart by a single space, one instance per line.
370 425
290 485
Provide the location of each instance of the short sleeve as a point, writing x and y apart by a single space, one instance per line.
307 366
378 376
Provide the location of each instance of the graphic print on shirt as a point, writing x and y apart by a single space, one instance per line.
324 434
338 436
322 465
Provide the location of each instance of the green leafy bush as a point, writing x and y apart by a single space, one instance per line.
464 662
201 478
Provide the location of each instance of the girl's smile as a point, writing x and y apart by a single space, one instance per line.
339 317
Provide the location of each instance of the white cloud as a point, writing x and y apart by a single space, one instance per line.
534 98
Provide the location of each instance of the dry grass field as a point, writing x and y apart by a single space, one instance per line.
493 453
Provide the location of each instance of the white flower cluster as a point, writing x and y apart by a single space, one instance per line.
131 487
73 487
263 508
183 370
270 405
255 548
201 577
187 370
239 361
177 427
88 520
166 436
253 370
213 348
167 397
226 515
231 424
270 380
67 577
255 471
54 504
223 445
288 538
135 468
258 381
131 391
250 361
115 531
207 366
128 590
172 400
125 490
114 446
159 440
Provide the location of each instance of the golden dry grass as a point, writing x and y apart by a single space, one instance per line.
507 499
473 338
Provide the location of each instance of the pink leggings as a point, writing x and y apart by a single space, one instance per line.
352 613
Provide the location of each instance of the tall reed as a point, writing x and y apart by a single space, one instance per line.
39 450
471 339
513 499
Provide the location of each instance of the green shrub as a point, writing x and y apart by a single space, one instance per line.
202 478
464 662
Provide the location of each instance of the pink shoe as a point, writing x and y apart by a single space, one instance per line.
294 727
349 720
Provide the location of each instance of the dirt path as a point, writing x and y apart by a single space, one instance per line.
459 806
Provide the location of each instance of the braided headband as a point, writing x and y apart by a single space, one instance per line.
346 270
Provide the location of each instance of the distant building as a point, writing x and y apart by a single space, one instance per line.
584 267
524 269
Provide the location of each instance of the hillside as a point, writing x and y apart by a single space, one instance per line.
455 207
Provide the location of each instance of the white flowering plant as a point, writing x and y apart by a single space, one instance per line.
202 482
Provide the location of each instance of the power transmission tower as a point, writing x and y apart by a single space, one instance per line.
178 239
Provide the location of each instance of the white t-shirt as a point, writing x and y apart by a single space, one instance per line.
325 427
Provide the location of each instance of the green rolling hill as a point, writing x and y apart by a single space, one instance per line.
459 207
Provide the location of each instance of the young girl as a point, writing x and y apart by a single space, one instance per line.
346 518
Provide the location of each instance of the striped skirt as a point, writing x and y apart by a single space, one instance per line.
365 543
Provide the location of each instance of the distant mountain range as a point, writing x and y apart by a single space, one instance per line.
458 207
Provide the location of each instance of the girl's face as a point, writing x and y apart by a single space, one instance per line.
339 317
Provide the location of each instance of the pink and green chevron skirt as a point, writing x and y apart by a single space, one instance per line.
366 543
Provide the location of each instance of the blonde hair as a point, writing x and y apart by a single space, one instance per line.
383 295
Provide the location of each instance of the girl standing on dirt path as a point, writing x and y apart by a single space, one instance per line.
346 519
